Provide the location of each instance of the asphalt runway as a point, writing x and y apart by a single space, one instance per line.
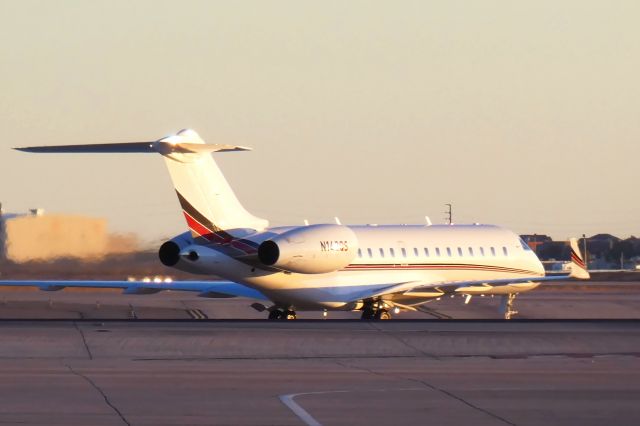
320 372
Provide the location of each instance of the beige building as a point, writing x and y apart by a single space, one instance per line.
44 237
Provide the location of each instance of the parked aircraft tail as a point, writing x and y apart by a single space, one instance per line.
209 205
578 266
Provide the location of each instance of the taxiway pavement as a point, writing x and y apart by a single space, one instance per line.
320 372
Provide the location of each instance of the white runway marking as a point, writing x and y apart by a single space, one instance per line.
197 314
298 410
308 419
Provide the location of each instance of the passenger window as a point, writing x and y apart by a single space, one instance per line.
482 251
493 251
438 251
359 252
504 250
370 252
426 252
381 252
415 252
460 251
392 252
449 251
470 251
404 252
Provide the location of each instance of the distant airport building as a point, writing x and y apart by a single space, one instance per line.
534 241
36 236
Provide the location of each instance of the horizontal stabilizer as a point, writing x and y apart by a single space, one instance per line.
130 147
135 147
210 147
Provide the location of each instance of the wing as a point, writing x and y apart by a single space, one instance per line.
407 294
216 289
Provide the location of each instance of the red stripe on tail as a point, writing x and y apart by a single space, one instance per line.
577 260
202 230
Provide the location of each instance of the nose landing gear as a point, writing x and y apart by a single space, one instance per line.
506 306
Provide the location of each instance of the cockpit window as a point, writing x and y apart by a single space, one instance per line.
525 245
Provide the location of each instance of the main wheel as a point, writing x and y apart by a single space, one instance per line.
383 314
289 315
276 314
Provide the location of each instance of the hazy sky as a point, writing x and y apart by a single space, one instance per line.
523 114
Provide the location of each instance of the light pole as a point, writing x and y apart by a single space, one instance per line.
584 254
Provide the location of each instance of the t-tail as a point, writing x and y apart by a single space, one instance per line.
210 207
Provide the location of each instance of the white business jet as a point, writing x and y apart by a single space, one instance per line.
373 269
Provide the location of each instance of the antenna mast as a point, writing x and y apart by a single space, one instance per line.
449 214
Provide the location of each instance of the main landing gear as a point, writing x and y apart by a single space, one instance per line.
507 305
375 311
282 314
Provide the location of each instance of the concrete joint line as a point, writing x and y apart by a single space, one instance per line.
402 341
464 401
432 387
84 340
106 399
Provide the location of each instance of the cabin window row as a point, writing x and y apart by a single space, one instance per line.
434 252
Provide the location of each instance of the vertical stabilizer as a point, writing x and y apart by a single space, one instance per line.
578 267
208 203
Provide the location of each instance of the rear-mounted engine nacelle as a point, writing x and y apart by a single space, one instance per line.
313 249
170 254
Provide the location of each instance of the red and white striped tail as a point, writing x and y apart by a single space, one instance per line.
578 266
209 205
